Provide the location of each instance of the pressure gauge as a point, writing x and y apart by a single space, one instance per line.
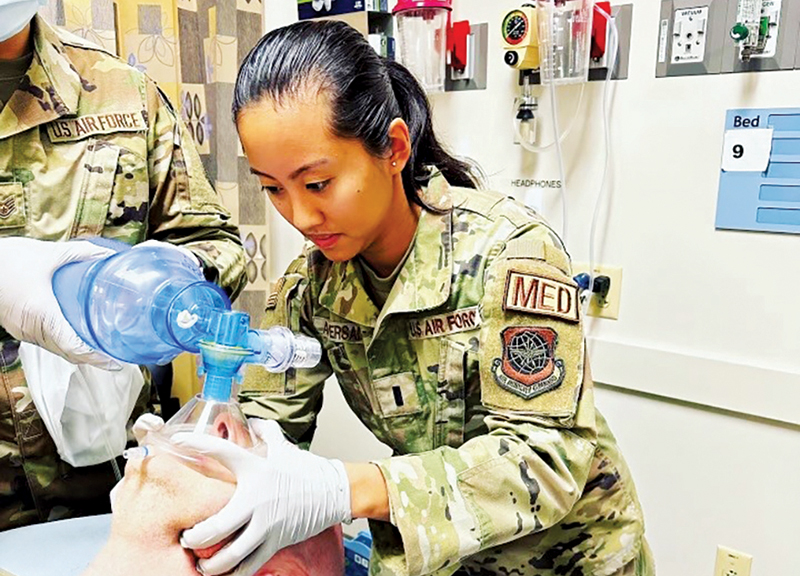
515 27
521 38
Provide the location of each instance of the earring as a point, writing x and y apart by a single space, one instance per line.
394 164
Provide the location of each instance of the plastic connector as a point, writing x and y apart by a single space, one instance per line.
582 280
601 285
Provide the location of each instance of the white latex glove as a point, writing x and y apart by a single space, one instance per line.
284 498
185 251
145 424
29 310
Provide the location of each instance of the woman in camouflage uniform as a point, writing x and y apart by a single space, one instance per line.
451 321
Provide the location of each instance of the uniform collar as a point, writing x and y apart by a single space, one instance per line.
424 280
50 89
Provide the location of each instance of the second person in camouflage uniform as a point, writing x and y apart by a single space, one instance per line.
88 147
451 321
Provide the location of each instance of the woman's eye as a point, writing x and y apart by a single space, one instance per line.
271 189
318 186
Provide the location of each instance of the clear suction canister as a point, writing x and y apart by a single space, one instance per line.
422 39
565 32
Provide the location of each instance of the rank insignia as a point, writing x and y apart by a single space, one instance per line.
529 367
7 207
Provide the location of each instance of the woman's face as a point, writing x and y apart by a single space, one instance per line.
331 189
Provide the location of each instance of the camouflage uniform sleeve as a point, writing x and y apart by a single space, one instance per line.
184 207
529 470
295 398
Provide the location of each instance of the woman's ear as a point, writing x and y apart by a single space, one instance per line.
399 145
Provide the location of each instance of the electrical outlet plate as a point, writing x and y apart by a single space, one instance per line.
623 18
691 37
732 562
781 46
610 307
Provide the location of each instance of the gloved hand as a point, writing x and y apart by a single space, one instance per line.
284 498
29 310
145 424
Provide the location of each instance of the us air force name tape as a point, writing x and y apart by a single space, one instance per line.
71 129
444 324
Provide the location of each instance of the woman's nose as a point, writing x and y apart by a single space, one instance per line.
306 215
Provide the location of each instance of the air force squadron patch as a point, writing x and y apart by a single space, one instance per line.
528 367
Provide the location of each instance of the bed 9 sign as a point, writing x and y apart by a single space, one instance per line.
747 147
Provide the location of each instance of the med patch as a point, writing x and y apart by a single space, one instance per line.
535 294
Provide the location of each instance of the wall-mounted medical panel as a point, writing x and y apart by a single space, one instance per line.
623 20
691 37
759 188
781 24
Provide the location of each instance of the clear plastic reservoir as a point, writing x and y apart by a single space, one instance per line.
565 32
422 45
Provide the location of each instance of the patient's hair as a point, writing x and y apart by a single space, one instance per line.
366 92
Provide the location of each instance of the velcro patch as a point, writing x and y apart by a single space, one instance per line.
73 129
12 205
451 323
534 294
338 331
531 352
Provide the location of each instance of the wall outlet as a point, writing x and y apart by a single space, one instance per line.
732 562
608 307
689 35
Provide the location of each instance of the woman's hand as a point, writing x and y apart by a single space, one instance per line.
281 499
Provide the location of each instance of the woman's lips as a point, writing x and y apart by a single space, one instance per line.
325 241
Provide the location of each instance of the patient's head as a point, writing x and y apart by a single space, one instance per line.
161 496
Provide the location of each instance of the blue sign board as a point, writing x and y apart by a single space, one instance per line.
759 188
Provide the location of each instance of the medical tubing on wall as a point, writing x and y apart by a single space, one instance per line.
556 130
613 50
517 124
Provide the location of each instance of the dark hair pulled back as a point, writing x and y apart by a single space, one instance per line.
367 93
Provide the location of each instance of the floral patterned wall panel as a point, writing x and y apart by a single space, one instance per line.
94 20
192 49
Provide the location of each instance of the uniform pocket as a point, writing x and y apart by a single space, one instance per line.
397 394
451 394
99 171
12 205
355 392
